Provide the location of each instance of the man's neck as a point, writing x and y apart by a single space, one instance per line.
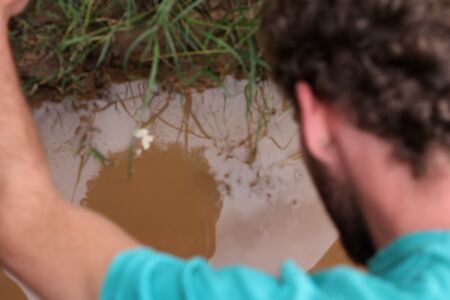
406 203
394 200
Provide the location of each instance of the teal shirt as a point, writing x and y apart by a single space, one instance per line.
415 266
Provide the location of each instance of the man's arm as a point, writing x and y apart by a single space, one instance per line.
60 251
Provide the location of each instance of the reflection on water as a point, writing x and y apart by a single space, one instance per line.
171 203
251 164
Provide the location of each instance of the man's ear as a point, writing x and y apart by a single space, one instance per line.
315 127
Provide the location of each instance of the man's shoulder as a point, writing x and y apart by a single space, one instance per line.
414 266
148 273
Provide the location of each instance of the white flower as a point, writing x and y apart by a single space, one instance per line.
145 137
140 133
147 142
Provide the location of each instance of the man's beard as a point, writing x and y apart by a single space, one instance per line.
341 202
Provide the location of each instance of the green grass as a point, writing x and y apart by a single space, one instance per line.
71 46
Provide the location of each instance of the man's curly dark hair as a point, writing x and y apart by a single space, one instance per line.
385 62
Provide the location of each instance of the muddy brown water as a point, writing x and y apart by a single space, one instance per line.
9 290
171 202
336 255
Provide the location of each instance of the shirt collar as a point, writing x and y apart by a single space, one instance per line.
406 245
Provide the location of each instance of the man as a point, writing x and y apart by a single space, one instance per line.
372 82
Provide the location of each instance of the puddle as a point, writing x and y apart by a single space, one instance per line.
218 181
171 202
